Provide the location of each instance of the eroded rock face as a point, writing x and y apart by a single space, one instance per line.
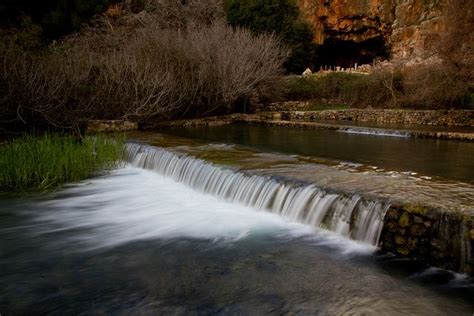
410 28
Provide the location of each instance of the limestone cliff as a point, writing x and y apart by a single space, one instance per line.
408 28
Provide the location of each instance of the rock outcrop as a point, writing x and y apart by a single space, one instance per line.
409 28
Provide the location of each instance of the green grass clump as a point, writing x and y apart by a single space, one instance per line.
44 162
356 90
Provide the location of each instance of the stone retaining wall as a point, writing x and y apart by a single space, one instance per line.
278 119
440 239
205 121
402 117
284 106
100 126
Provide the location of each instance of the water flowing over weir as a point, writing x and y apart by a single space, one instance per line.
374 132
351 216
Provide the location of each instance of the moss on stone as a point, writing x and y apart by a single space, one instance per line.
403 251
416 209
418 219
387 245
400 240
404 220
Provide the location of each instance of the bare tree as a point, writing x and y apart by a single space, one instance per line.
448 82
150 71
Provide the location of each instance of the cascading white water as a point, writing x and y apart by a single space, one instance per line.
350 216
374 131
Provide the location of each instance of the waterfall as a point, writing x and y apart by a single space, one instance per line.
350 216
374 131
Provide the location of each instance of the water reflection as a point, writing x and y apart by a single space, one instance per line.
434 158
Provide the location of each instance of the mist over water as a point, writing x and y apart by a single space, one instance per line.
135 204
349 216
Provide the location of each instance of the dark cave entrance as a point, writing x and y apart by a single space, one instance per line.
347 53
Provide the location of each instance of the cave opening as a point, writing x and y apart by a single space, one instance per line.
348 53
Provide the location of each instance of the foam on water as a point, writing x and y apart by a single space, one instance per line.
350 216
374 132
133 204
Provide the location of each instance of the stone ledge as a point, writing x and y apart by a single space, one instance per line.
273 120
434 236
101 126
205 121
389 116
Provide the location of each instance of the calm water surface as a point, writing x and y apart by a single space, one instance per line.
402 127
134 242
429 157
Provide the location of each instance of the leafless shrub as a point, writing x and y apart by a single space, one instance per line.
446 83
433 87
150 72
177 13
457 41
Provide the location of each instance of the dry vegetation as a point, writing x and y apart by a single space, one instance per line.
444 82
449 83
159 59
172 60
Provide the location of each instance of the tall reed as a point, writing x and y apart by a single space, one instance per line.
47 161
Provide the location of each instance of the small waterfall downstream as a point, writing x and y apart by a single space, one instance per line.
351 216
374 132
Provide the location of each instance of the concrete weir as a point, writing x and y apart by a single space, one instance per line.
436 236
360 130
308 120
432 235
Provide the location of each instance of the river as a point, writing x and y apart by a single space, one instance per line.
148 238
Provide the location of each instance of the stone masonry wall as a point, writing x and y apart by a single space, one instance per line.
425 117
439 239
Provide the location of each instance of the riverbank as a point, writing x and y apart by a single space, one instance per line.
275 119
47 161
432 122
385 116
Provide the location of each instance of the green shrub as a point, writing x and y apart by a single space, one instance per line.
44 162
281 17
302 88
55 17
356 90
